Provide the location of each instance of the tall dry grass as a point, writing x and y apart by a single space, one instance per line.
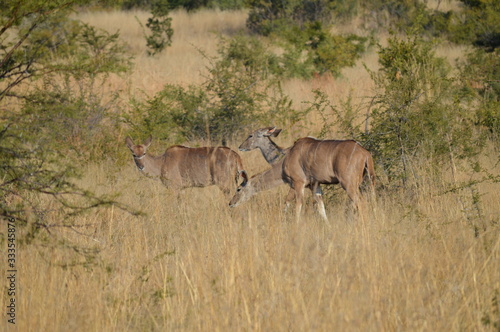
192 264
181 63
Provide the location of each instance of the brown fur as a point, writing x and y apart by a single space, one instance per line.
183 167
273 153
312 162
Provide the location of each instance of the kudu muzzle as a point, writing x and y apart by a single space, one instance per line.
138 161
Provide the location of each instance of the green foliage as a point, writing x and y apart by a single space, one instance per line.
189 5
251 54
331 53
68 105
243 88
160 26
130 4
37 181
325 52
267 16
270 16
174 114
480 83
51 71
228 4
343 119
302 29
394 14
478 24
417 110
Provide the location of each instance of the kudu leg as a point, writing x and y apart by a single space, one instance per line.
318 197
289 198
299 199
355 196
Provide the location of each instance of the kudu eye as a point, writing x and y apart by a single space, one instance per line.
138 157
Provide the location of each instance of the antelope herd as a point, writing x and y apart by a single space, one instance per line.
307 164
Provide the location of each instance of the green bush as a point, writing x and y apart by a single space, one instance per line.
160 26
480 83
50 129
324 52
77 56
301 29
417 110
189 5
478 24
175 114
239 84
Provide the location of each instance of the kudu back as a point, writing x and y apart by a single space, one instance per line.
183 167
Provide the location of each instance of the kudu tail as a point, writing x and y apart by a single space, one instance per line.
370 171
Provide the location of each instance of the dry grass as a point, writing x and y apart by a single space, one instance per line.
193 264
180 64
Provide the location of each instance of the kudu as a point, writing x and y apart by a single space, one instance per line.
312 162
183 167
261 139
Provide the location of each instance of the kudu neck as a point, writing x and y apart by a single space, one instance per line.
268 179
152 165
271 151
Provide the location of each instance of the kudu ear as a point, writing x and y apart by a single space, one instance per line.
129 142
147 142
244 175
272 131
276 132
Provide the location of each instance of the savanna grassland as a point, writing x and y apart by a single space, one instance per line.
420 259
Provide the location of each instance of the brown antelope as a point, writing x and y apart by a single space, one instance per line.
261 139
182 167
312 162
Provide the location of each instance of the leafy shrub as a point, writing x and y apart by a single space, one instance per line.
477 24
47 126
160 26
417 110
268 16
271 16
301 29
78 56
174 114
480 83
189 5
325 52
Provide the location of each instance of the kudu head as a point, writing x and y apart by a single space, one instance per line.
259 138
243 194
139 151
